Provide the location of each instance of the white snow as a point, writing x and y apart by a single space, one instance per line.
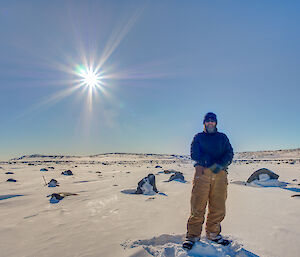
263 177
107 219
147 188
265 181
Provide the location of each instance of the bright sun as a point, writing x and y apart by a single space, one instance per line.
89 77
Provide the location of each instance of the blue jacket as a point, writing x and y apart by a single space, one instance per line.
210 148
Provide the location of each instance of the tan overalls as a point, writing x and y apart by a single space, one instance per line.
210 188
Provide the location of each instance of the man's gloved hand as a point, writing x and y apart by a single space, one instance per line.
215 168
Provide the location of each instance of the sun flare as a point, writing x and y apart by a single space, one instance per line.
89 77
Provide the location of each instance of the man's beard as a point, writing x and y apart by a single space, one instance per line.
210 129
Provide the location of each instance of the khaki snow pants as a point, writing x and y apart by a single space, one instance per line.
210 188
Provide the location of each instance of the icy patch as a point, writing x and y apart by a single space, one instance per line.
171 246
268 182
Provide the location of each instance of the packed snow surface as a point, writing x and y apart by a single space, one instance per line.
99 214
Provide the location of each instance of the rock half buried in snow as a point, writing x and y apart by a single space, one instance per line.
53 183
147 185
43 169
11 180
297 195
170 171
257 175
56 197
177 176
67 173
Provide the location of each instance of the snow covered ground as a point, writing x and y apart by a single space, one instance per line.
106 219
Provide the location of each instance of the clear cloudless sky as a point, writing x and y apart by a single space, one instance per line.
164 65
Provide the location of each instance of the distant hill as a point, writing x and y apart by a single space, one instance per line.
275 154
260 155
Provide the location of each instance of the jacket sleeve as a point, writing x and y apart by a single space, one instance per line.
199 157
227 157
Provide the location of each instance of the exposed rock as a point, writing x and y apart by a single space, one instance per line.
9 172
67 173
295 195
11 180
256 175
53 183
158 167
170 171
44 169
56 197
177 176
147 185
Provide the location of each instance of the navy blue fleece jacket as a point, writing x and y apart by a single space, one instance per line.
210 148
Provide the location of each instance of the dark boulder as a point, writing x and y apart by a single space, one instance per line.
43 169
147 185
56 197
9 172
11 180
255 175
170 171
53 183
67 173
177 176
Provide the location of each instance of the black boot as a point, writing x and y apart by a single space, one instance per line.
220 240
189 242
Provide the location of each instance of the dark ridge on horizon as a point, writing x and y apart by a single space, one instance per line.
146 154
277 150
94 155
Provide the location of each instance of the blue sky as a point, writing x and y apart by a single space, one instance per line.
168 63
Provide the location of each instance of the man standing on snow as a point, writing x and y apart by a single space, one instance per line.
212 152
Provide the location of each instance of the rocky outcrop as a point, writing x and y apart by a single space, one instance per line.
147 185
177 176
255 175
67 173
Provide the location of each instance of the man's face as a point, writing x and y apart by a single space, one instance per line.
210 126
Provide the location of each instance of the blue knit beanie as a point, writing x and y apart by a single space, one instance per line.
210 116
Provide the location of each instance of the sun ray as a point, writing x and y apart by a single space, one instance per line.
116 38
90 77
